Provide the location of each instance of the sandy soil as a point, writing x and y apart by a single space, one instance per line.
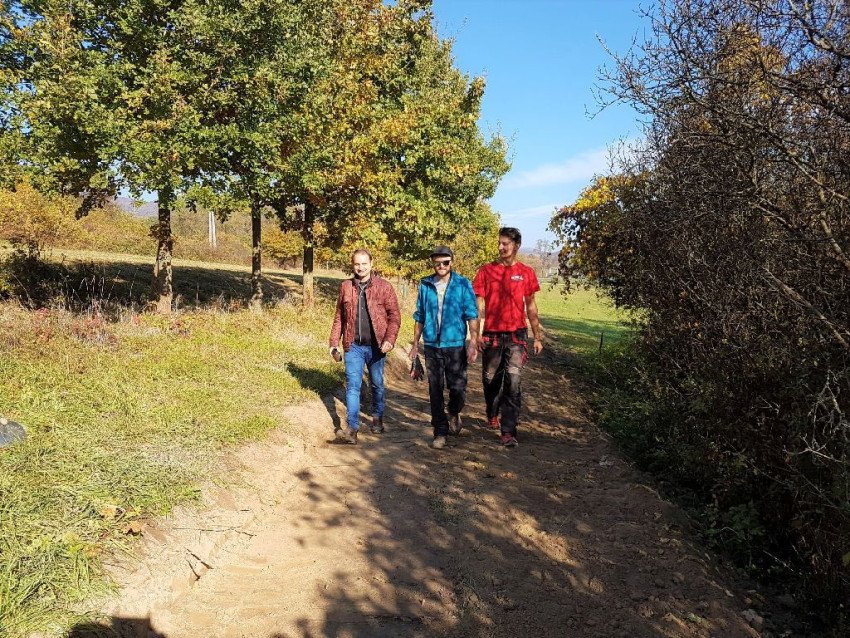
557 537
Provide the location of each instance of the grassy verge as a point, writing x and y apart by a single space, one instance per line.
125 418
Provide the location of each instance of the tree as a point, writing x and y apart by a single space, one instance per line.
261 57
386 143
591 238
283 246
477 243
107 94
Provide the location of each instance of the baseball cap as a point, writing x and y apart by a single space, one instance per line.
442 250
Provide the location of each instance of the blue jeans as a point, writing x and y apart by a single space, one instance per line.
357 357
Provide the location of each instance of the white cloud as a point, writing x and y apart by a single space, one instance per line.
580 168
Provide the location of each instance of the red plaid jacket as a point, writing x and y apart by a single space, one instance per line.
383 308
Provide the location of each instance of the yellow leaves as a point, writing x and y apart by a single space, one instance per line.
133 525
458 170
32 220
600 193
110 511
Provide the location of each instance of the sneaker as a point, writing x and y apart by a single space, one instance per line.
508 440
377 426
455 424
347 435
495 423
438 443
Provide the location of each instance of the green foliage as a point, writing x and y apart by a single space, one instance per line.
477 243
386 150
347 115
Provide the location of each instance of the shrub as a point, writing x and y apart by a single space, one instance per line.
730 230
30 220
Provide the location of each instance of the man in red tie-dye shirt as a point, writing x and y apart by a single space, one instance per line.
505 292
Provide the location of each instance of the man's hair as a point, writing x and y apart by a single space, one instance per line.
361 251
511 233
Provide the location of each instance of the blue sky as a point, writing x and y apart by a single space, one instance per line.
540 59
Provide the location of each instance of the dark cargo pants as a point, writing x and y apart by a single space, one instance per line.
446 367
502 361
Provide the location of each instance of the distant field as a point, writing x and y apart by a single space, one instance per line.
578 320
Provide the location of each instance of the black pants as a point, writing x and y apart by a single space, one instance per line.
446 367
502 362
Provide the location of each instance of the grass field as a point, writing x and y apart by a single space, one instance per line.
126 410
578 320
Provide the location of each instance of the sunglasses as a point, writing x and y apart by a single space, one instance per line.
441 262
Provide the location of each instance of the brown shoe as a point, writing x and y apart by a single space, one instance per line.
347 435
438 443
377 426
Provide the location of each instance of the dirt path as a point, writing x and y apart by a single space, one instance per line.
558 537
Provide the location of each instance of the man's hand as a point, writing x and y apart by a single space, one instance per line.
472 350
386 347
538 346
335 353
480 345
414 352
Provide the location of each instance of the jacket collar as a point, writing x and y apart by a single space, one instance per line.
432 279
356 283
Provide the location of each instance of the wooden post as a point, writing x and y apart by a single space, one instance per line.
211 230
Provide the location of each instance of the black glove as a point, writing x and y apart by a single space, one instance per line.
417 370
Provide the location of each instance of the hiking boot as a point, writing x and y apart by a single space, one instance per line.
347 435
377 426
455 425
494 423
508 440
438 443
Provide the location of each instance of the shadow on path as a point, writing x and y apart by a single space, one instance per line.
390 538
117 628
553 538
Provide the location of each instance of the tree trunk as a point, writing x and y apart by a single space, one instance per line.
309 245
162 291
256 303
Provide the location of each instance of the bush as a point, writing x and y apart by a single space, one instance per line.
730 230
30 221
